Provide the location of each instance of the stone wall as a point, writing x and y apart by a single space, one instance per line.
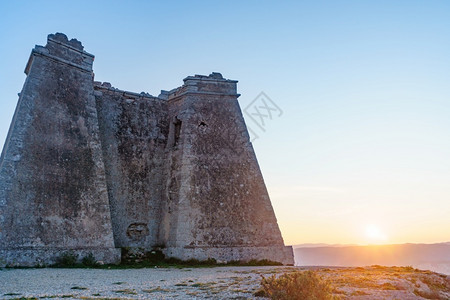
218 203
52 179
90 168
134 131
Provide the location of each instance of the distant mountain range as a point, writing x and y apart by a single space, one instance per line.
435 257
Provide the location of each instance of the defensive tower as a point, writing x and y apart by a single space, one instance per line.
90 168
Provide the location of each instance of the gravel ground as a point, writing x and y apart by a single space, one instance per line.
354 283
158 283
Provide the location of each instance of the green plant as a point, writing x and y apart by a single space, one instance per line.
261 262
89 261
306 285
67 259
191 262
253 263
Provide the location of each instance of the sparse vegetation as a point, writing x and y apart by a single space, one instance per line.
428 294
254 263
375 282
375 279
89 261
126 291
434 283
389 286
154 290
67 260
181 284
359 293
136 258
306 285
78 288
203 285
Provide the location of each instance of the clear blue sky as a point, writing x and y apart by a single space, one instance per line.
361 153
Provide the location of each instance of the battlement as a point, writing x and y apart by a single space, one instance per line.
62 50
214 84
61 38
106 87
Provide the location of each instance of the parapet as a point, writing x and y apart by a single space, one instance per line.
106 87
59 48
61 38
214 84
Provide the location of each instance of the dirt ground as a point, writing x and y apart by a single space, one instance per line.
373 282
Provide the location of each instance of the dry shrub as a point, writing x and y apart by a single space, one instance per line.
428 294
307 285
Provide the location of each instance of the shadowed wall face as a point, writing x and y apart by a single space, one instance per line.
52 177
133 131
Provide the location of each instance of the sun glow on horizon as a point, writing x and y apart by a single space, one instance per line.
374 235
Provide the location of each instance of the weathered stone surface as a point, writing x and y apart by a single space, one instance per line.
52 180
134 136
88 167
218 205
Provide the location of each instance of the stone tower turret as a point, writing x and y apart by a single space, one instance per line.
218 206
52 180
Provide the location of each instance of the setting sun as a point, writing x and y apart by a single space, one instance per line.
374 234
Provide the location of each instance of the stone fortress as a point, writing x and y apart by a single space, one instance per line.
90 168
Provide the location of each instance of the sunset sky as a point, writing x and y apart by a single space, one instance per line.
361 151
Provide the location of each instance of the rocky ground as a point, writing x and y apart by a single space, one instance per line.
217 283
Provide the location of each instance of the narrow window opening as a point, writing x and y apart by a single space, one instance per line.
177 131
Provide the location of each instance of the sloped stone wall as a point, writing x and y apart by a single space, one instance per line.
220 207
52 179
